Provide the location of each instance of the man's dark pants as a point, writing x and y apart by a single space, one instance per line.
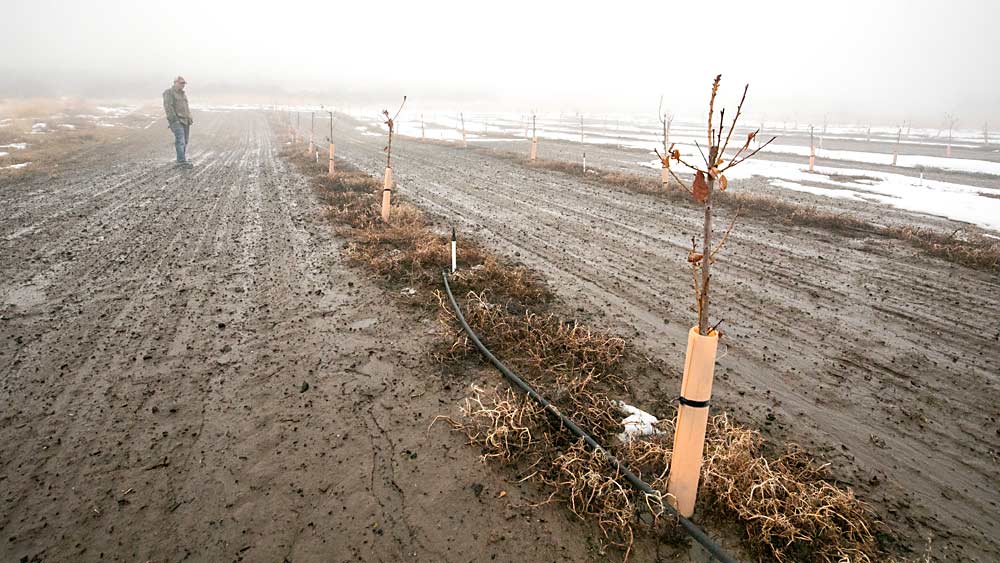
181 134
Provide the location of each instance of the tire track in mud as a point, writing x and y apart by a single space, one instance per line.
872 355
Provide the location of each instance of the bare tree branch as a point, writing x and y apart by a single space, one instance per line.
757 150
739 110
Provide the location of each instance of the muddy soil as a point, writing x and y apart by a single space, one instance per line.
190 373
881 360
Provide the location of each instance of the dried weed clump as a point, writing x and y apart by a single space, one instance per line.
507 425
576 368
786 505
406 250
973 251
592 490
565 353
789 509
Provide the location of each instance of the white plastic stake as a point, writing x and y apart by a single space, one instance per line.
454 251
584 163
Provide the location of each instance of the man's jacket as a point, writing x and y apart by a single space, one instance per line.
175 103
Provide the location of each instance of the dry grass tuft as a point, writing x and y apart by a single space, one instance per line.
788 508
504 423
786 505
591 490
548 350
406 251
973 251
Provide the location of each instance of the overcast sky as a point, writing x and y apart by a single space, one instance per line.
884 60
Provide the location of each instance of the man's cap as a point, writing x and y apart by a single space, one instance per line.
180 79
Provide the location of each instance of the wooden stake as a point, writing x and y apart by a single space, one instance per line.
692 421
812 151
534 139
386 194
584 163
895 149
330 170
312 134
464 143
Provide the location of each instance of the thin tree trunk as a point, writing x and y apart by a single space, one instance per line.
706 251
664 135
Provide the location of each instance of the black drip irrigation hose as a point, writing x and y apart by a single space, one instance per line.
690 527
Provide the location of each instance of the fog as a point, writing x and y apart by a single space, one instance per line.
884 61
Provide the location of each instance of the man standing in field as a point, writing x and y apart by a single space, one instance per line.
175 103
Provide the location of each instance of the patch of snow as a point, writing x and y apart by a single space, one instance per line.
40 128
904 160
18 146
959 202
637 423
67 126
118 111
4 153
16 166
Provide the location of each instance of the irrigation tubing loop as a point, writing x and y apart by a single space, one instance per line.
690 527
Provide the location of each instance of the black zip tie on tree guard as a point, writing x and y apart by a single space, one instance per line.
690 527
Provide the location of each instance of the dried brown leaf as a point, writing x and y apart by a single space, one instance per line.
700 187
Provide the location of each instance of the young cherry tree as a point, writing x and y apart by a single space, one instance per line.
666 119
699 361
703 187
390 122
